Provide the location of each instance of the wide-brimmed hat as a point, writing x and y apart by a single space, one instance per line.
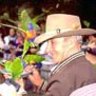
63 25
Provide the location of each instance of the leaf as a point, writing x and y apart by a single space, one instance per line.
25 20
32 44
26 47
36 18
6 15
8 66
27 44
15 68
86 23
33 58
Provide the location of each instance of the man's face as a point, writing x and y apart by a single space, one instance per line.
55 49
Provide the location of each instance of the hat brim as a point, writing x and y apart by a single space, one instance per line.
47 36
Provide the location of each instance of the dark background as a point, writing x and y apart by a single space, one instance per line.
86 9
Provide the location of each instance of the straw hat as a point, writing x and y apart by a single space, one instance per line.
60 25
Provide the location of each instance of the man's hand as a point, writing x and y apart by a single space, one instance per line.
35 76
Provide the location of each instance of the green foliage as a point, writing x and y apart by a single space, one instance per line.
86 23
25 20
26 47
33 58
14 67
27 44
6 15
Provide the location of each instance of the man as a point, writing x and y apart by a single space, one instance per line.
89 90
72 70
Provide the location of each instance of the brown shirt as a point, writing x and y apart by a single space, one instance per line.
74 73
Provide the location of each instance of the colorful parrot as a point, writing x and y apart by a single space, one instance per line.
28 25
12 67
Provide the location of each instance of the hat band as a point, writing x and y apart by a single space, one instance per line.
58 31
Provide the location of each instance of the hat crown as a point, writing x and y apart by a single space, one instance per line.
61 22
63 25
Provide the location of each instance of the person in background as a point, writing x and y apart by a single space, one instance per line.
20 39
72 70
9 52
10 37
1 42
91 49
19 44
1 46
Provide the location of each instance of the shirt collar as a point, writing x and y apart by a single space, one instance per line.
66 61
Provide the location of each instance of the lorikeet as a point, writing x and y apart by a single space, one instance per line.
28 25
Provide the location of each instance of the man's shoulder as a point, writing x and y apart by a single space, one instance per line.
77 68
80 62
80 68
